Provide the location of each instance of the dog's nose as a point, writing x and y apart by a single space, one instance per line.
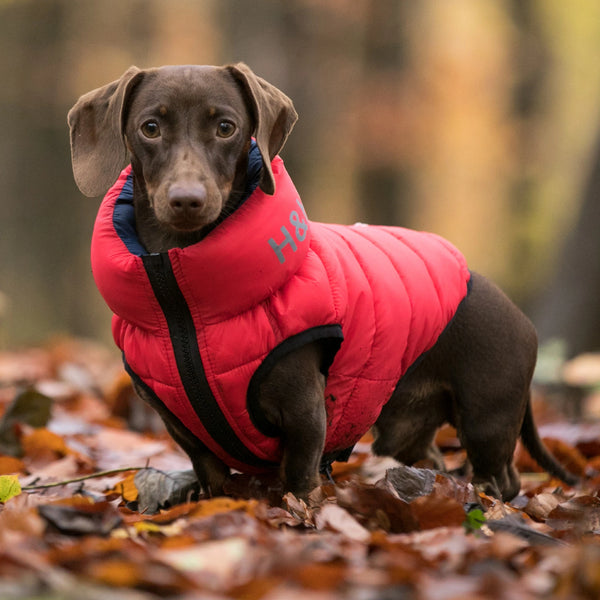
187 201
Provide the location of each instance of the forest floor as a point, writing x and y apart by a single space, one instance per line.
130 526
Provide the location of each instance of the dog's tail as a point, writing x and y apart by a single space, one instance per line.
537 450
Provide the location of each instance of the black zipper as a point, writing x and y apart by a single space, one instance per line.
189 361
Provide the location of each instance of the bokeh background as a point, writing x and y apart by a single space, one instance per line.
476 119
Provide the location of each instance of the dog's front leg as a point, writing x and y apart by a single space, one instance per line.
292 398
303 438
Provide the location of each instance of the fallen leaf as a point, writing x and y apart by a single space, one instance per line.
221 504
275 516
126 488
436 510
29 408
410 482
122 572
219 564
81 518
10 464
446 437
299 509
322 576
580 515
516 525
334 517
455 489
9 487
157 489
24 367
475 519
377 508
541 505
42 446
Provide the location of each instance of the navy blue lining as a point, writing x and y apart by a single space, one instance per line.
124 213
124 219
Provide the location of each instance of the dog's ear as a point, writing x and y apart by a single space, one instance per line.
98 151
274 116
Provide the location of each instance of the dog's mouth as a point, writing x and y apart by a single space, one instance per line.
186 226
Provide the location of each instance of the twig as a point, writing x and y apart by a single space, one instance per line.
82 478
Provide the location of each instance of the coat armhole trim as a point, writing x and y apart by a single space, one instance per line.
331 338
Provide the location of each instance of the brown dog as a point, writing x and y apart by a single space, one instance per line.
187 133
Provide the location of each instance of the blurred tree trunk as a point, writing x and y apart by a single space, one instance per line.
530 64
383 187
310 51
50 52
569 308
36 220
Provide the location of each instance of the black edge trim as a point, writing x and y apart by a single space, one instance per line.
335 456
189 362
330 335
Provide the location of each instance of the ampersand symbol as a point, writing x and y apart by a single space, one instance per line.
300 225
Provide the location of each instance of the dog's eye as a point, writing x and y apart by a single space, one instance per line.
151 129
225 129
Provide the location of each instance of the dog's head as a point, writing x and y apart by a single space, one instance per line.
186 131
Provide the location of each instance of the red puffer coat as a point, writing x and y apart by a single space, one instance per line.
200 325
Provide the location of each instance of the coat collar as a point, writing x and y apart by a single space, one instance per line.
239 264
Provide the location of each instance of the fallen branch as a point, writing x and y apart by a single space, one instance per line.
82 478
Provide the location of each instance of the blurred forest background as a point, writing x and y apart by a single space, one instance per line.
476 119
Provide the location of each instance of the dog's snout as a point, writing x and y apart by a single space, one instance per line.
187 201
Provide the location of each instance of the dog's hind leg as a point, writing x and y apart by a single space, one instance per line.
408 423
489 437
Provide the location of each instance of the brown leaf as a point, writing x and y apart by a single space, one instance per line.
126 488
42 446
335 518
456 489
541 505
151 575
275 516
60 469
299 509
219 563
580 514
257 588
321 576
10 465
26 366
437 510
447 438
81 517
215 506
28 408
377 508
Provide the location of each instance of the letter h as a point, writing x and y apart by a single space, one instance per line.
278 248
